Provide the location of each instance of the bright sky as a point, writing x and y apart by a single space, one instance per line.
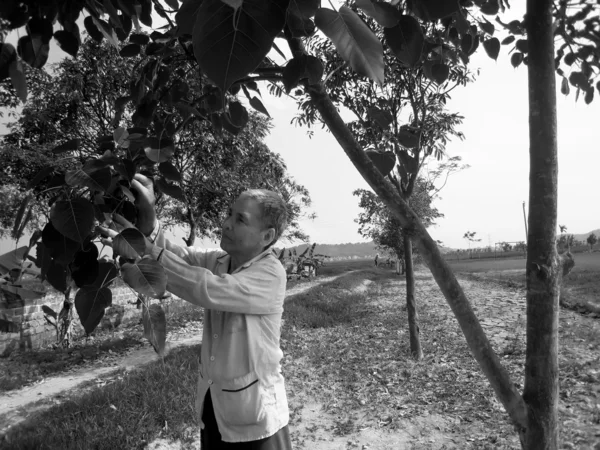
486 198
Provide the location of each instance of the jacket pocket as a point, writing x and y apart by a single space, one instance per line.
240 400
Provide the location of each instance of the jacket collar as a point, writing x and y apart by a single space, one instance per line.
225 260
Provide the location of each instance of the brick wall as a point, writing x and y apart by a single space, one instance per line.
35 332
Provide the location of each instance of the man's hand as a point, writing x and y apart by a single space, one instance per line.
120 224
145 202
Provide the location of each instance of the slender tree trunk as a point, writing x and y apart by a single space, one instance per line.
411 305
470 326
189 241
544 266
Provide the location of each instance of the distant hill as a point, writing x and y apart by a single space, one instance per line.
349 250
583 237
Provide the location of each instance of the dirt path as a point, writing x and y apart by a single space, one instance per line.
17 405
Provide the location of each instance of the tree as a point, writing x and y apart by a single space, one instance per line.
591 240
453 30
376 223
470 237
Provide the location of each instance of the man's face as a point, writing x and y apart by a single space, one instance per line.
244 235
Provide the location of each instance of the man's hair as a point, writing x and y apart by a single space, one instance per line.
274 210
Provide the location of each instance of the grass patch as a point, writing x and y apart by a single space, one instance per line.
158 401
326 305
21 368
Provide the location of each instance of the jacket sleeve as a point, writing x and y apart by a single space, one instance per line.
191 255
256 289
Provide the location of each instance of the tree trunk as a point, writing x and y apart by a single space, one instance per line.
411 305
189 241
544 266
475 337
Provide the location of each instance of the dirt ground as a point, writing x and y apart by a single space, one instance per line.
317 425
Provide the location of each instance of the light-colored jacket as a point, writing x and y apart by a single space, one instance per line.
240 357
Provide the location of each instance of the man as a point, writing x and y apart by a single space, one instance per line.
241 394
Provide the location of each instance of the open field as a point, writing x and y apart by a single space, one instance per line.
351 382
581 288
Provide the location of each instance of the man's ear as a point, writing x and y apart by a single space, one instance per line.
269 236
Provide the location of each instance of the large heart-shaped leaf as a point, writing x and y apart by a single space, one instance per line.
304 8
172 190
155 326
354 41
95 179
107 273
158 150
406 40
147 277
258 105
56 246
492 48
106 31
301 67
239 41
129 243
381 117
85 266
408 136
169 171
69 41
73 218
33 51
384 14
90 302
8 54
56 275
384 161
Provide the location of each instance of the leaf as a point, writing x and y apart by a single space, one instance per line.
381 117
589 96
68 41
304 8
92 29
90 303
147 277
94 179
33 51
130 50
508 40
11 260
172 190
408 136
302 67
169 171
492 48
432 10
238 114
384 14
84 268
564 86
384 161
120 135
258 105
56 275
139 39
173 4
54 245
107 273
8 54
299 26
466 44
186 16
73 144
516 59
17 77
73 218
488 27
49 311
158 150
234 48
437 72
354 41
129 243
491 7
155 326
106 31
40 176
406 40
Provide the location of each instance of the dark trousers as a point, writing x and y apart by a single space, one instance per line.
210 437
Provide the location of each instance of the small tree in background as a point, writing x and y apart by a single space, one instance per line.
470 237
591 240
